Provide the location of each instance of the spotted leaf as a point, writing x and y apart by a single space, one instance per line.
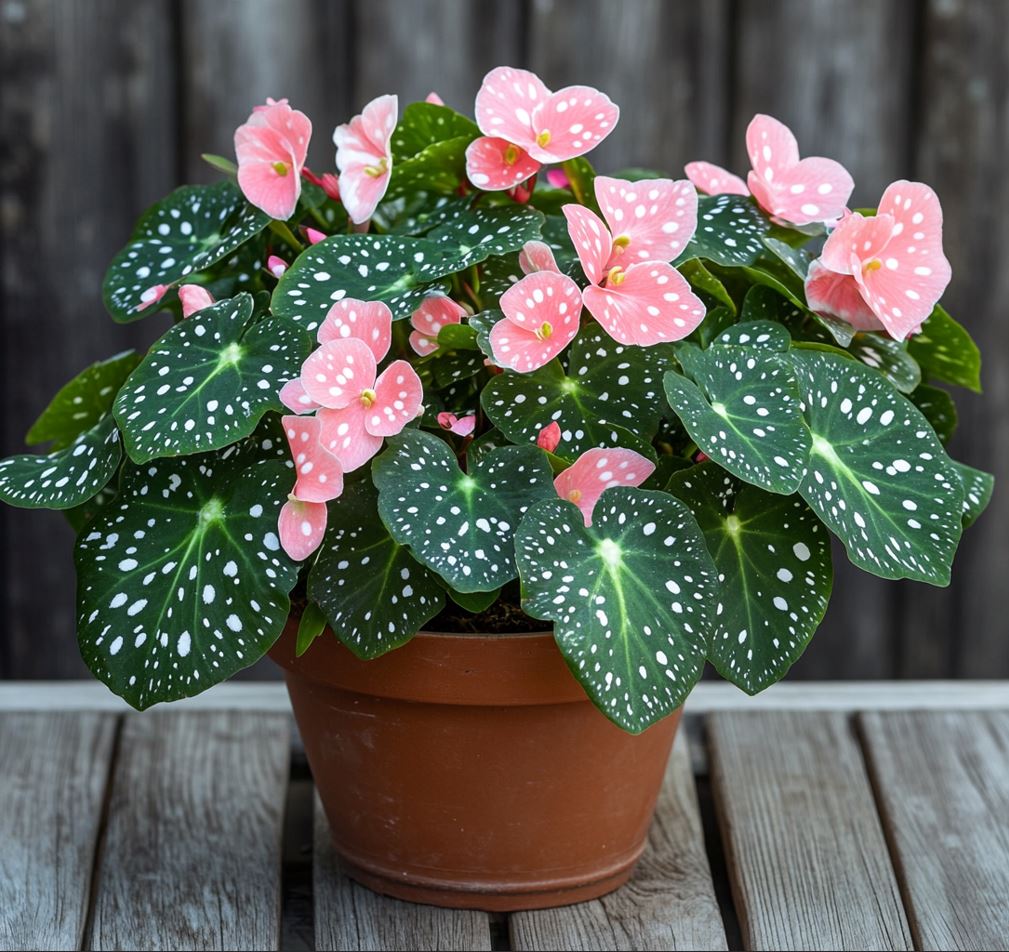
208 381
190 230
890 357
473 235
977 490
181 581
742 409
82 402
730 232
705 283
878 476
631 598
944 350
441 167
461 525
397 270
938 408
375 595
774 570
609 392
67 477
760 335
423 124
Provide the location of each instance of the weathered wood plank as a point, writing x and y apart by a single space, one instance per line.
807 856
665 64
191 854
53 771
961 137
87 124
942 780
669 902
348 916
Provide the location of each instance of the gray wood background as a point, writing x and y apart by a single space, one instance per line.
105 105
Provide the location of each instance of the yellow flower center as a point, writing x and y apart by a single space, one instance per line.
616 277
873 265
281 168
544 331
620 243
511 155
367 398
574 495
543 139
374 171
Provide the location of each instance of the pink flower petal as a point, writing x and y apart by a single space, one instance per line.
344 435
422 344
591 239
399 398
293 396
537 256
302 526
433 98
838 295
558 178
320 475
652 303
714 180
496 165
542 313
573 121
314 236
271 147
338 372
151 296
461 426
856 238
799 192
368 321
364 157
549 437
597 470
651 220
276 266
436 312
506 102
193 298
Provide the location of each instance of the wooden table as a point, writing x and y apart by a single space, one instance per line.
816 816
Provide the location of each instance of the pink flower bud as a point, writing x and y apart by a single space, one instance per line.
276 266
558 178
433 97
550 437
314 236
194 298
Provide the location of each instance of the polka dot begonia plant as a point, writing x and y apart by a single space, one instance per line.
459 377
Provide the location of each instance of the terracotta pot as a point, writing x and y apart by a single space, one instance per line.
472 771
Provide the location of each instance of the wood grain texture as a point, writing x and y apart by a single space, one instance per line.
961 137
87 125
53 771
348 916
942 780
664 64
806 851
669 902
191 854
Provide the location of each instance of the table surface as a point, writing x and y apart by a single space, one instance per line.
815 816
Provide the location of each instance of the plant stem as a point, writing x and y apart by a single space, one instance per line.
281 230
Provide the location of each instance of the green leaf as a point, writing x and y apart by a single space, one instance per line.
220 163
66 478
397 270
773 561
458 337
474 602
418 212
729 232
701 279
715 323
440 167
181 581
938 408
311 624
610 392
187 232
423 124
743 411
461 525
208 381
759 335
374 593
795 260
889 357
82 402
473 235
765 304
977 490
631 598
944 350
878 476
80 516
581 177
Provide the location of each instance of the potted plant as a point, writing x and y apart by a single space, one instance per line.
492 454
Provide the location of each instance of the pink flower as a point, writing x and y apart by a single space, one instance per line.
525 125
558 178
276 266
635 294
596 470
314 236
549 437
433 98
435 313
151 296
364 157
271 149
541 315
194 297
714 180
537 256
887 271
303 517
461 426
328 182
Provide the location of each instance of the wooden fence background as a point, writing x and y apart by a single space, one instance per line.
107 105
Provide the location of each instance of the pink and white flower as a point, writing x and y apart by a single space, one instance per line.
364 157
541 317
597 470
303 517
886 271
537 256
714 180
525 125
436 312
193 298
271 147
460 426
276 266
